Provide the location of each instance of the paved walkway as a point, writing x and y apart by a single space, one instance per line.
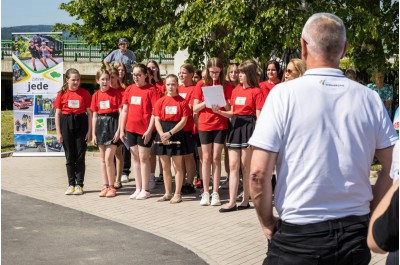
230 238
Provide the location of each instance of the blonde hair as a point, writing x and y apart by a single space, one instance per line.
299 65
68 73
230 68
125 79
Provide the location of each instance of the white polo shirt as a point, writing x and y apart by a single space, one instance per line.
325 129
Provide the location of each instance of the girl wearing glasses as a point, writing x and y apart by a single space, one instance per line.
136 117
246 101
212 129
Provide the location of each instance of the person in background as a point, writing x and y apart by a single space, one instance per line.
171 113
136 117
106 103
232 76
294 69
323 194
385 91
120 67
197 76
186 90
212 129
124 55
350 73
246 101
74 128
273 70
119 153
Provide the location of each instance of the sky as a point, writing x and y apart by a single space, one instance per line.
37 12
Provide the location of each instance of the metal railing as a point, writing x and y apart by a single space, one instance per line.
80 51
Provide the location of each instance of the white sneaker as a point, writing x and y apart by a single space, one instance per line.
215 201
143 195
135 194
152 184
70 190
205 199
124 178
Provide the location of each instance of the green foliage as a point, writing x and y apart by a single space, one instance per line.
233 29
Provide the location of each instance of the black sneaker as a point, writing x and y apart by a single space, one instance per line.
184 188
190 189
160 179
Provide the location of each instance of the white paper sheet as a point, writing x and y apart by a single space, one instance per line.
214 95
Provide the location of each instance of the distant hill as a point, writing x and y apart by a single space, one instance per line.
6 31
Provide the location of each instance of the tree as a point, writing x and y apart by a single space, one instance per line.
233 29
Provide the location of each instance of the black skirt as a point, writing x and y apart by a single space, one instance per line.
106 126
241 131
171 149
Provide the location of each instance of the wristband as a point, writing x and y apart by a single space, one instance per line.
170 133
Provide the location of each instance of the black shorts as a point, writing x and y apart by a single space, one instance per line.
217 136
197 139
176 149
191 144
136 139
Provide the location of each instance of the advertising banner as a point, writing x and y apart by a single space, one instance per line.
37 77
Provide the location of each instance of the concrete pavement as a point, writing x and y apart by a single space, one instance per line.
230 238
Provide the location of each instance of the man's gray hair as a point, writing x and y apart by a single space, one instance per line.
325 35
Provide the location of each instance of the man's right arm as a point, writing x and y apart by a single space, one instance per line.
108 60
261 169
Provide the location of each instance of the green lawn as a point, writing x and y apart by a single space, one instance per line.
7 131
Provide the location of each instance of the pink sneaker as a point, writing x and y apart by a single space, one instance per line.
135 194
112 192
103 191
143 195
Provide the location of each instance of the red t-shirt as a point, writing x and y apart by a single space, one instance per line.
121 90
172 108
266 87
187 93
141 101
160 87
208 120
73 101
106 102
246 101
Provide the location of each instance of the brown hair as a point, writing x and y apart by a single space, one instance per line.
100 72
214 62
189 67
143 69
250 69
232 65
114 72
125 79
68 73
176 80
158 75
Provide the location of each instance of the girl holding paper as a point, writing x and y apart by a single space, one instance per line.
106 103
136 117
246 101
171 113
212 129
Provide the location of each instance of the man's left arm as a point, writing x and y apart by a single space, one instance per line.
384 182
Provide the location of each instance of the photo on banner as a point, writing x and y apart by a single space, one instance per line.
37 63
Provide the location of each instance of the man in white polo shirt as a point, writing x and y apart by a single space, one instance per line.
321 131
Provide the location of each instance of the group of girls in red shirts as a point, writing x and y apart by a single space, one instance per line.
168 120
